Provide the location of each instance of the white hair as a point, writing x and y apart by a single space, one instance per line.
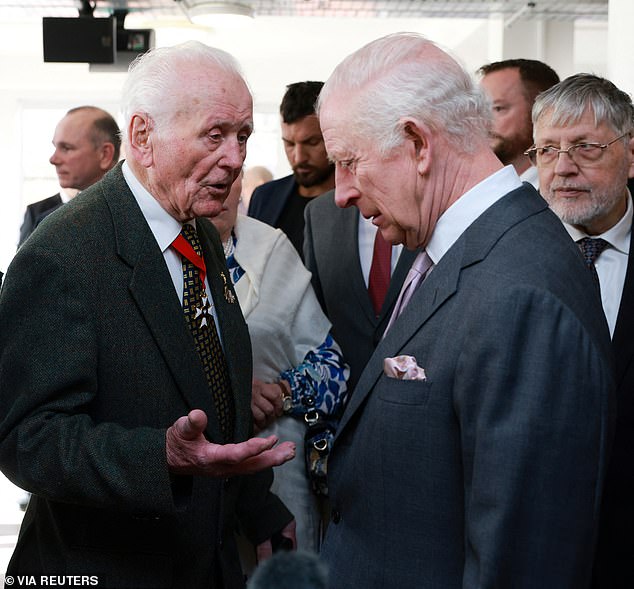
156 80
401 75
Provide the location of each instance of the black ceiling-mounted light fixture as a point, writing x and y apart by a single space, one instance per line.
87 8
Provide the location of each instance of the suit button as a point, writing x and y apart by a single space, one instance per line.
335 516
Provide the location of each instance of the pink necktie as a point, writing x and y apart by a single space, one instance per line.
380 270
415 276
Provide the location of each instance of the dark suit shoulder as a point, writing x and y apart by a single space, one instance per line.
323 204
35 213
268 200
37 208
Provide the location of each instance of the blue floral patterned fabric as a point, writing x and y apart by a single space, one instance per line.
319 382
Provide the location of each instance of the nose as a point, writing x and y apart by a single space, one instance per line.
54 159
565 165
298 153
345 192
233 155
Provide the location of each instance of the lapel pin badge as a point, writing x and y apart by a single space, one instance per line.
229 296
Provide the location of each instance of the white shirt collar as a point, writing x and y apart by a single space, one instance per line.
461 214
532 176
164 227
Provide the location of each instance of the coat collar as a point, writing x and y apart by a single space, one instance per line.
153 291
472 247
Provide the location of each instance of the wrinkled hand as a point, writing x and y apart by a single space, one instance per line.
265 550
189 452
266 403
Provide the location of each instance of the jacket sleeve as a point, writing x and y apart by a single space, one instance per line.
260 512
51 443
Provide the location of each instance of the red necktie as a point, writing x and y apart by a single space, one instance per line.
380 272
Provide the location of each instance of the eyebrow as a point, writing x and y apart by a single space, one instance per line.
582 138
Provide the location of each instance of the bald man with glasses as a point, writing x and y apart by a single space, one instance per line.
584 153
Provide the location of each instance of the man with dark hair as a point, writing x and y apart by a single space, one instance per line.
87 144
513 85
281 203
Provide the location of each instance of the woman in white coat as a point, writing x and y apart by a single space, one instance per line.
299 373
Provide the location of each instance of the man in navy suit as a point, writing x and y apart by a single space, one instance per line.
281 203
584 152
473 450
87 144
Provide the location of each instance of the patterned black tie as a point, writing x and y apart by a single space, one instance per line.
591 249
201 323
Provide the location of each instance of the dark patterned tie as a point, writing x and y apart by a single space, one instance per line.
201 323
591 249
380 270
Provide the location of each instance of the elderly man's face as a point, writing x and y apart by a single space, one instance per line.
593 195
197 156
384 188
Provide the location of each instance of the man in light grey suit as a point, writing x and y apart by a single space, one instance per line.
474 448
338 247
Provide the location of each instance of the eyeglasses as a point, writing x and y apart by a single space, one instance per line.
580 153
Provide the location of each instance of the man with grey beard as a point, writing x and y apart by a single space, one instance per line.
281 203
584 152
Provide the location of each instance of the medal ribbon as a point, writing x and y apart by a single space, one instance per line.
183 247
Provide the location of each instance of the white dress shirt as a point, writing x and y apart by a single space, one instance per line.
461 214
165 230
530 175
611 265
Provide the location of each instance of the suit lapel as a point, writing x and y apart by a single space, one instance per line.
152 289
439 286
350 248
349 231
280 198
403 265
442 283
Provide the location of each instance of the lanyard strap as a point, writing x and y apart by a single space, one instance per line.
184 248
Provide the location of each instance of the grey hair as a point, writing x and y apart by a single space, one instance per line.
405 74
155 77
567 102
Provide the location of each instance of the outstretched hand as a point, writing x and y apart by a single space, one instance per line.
189 452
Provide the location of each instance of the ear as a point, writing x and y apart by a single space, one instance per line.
105 156
630 149
419 135
139 139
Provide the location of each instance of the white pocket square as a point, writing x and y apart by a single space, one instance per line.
403 368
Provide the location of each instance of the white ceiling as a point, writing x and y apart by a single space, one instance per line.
148 9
